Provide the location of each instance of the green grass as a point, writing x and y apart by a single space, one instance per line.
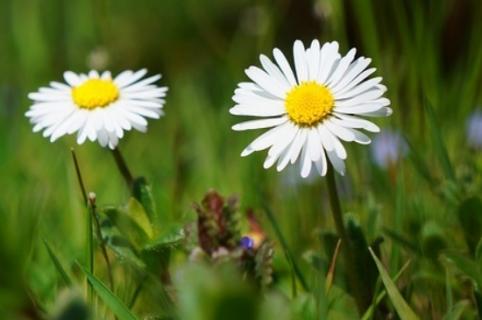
430 56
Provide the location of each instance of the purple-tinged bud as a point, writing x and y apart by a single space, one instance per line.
474 129
388 148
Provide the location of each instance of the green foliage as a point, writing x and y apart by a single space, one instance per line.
403 309
110 299
427 206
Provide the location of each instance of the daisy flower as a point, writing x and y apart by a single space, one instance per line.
96 106
312 110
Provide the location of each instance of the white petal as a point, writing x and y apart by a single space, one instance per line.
301 64
362 76
285 66
129 78
353 70
364 86
274 109
314 144
337 162
341 68
266 82
326 137
339 131
355 122
382 112
313 60
258 124
298 144
329 55
274 72
306 162
264 141
321 165
284 159
360 137
72 78
365 97
94 74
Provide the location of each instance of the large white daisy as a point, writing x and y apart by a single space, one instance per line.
312 112
96 106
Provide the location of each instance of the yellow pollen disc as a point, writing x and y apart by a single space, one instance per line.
309 103
95 93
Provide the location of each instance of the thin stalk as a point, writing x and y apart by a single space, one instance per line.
351 269
79 176
93 211
137 291
90 252
90 242
123 168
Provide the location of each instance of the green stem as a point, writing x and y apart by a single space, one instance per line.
352 272
90 253
90 242
93 211
123 168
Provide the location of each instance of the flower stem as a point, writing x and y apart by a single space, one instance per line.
93 211
352 272
122 166
90 241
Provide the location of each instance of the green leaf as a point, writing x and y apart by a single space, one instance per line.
136 211
143 193
457 310
403 309
128 228
110 299
58 266
369 313
362 259
170 237
471 221
119 244
289 256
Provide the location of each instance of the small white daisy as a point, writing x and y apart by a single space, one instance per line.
96 106
309 114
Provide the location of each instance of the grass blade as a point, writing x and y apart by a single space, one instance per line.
403 309
110 299
284 245
369 313
437 139
58 266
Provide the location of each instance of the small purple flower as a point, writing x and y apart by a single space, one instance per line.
474 129
246 243
387 148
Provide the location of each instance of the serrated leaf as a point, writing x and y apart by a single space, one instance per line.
403 309
136 211
121 223
168 238
110 299
143 193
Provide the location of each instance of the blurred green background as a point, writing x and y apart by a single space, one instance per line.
428 52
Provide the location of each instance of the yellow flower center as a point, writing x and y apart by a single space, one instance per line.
309 103
95 93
